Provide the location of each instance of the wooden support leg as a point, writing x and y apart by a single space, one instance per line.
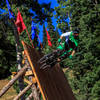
22 92
29 97
32 79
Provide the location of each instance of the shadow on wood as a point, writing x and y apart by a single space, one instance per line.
52 82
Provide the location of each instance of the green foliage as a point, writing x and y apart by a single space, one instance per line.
54 37
84 15
7 48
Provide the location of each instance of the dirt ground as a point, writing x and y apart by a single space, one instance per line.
10 94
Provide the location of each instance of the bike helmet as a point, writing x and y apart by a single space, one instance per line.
76 32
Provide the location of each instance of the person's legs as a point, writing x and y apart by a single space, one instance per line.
66 52
71 44
67 46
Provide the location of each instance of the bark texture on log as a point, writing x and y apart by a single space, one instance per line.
29 97
11 82
23 92
35 93
19 57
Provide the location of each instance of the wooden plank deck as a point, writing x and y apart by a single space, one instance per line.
52 82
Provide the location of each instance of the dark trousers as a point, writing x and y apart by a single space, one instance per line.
69 45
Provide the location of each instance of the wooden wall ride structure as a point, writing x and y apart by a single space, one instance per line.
51 82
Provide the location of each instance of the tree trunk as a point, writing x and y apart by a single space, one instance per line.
96 2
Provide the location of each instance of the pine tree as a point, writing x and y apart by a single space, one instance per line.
24 6
7 49
42 12
84 15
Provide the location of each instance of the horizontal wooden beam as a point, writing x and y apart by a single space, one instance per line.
28 73
27 81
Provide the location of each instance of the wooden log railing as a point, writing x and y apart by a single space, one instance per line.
23 92
11 82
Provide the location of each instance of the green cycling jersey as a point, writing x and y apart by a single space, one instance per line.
62 45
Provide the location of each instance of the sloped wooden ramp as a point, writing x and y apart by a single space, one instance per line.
51 81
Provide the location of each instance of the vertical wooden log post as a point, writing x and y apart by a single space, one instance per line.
35 94
19 57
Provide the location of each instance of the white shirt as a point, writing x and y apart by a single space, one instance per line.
67 34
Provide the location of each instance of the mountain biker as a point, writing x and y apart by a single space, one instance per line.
70 44
64 50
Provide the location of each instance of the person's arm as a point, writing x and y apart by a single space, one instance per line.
64 35
72 54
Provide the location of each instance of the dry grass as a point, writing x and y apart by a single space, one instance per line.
65 69
10 94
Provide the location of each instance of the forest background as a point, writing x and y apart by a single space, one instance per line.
84 68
